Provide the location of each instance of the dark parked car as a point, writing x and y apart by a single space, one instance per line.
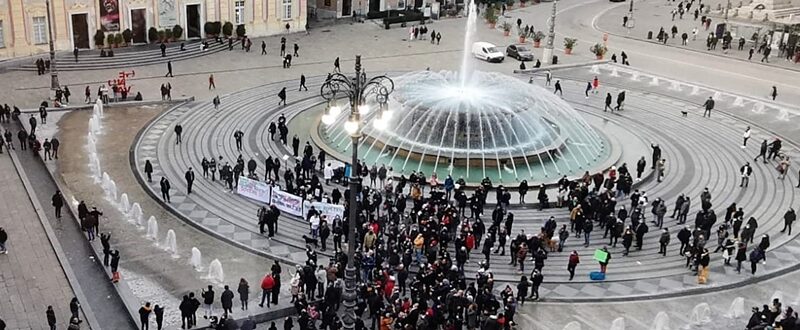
520 52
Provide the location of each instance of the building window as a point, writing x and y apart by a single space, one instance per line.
287 9
327 3
39 30
238 12
2 38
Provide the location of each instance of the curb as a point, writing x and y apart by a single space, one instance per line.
561 66
111 105
264 317
89 316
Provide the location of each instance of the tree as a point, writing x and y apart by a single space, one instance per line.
118 39
240 31
152 34
110 39
99 38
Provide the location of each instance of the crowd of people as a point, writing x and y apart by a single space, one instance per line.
759 43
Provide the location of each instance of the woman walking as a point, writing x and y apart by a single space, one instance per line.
573 262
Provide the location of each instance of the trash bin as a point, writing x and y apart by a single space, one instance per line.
555 59
649 35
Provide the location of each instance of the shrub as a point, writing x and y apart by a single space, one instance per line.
110 39
177 32
598 49
99 38
118 39
227 29
162 35
240 31
217 28
152 34
208 28
168 34
127 36
538 36
490 15
506 26
570 42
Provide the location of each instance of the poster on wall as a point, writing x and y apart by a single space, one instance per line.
167 14
109 15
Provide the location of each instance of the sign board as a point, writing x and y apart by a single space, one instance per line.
254 189
600 255
331 211
287 202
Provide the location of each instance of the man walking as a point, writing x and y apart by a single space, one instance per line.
296 48
282 96
211 84
745 170
609 98
263 47
709 105
238 137
58 203
165 189
178 131
189 180
302 83
788 218
557 88
169 69
336 67
762 153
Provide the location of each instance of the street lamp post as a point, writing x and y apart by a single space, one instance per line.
551 36
358 91
53 72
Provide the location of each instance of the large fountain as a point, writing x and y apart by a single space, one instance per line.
473 124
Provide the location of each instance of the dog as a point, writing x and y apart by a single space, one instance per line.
311 240
685 113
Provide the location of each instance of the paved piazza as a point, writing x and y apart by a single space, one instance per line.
665 87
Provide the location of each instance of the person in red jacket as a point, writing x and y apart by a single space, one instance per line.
388 288
267 284
574 260
469 242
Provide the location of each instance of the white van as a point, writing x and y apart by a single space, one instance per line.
487 52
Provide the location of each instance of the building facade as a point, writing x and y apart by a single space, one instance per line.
24 23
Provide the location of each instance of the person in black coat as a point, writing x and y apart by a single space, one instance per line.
189 181
51 318
227 301
148 169
58 203
159 311
656 155
165 187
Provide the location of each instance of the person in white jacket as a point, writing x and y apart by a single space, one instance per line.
328 173
745 137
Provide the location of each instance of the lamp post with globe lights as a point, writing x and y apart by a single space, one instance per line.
360 93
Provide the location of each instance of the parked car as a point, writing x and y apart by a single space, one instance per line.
487 52
520 52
